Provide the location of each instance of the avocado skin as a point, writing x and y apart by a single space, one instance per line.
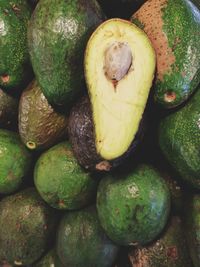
61 181
141 213
39 122
15 161
179 140
80 231
57 36
8 110
170 250
27 225
15 16
81 135
120 8
50 259
192 226
181 30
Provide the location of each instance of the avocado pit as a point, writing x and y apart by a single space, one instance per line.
118 60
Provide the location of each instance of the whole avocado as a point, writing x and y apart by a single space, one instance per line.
40 125
57 36
15 68
179 140
82 242
27 225
133 206
15 161
173 27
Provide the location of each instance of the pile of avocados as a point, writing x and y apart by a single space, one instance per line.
100 133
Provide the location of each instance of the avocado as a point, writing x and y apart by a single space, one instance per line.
170 250
82 242
60 180
27 226
57 36
49 260
173 27
119 78
8 110
179 140
15 68
120 8
192 226
82 138
40 125
15 162
133 206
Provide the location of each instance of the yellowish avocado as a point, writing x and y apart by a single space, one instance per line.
119 70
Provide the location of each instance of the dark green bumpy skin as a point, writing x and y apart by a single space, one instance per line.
27 225
179 139
49 260
15 161
58 33
173 26
170 250
192 223
61 181
133 207
15 70
82 242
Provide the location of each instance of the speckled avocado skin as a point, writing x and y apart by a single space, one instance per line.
58 33
81 240
15 70
39 123
192 226
179 140
173 26
61 181
15 161
133 207
170 250
27 226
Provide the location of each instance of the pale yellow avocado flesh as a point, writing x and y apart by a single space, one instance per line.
117 112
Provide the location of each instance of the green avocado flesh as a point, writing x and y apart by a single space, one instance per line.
179 139
40 125
61 182
133 208
173 27
82 242
27 225
15 68
119 69
57 36
192 226
15 161
170 250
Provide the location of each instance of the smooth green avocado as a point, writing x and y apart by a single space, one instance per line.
133 207
82 242
57 36
61 181
15 161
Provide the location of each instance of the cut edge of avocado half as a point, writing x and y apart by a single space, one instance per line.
119 69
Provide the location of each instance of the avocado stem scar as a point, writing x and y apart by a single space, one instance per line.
170 96
31 145
5 78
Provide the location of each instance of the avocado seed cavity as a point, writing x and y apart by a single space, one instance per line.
118 60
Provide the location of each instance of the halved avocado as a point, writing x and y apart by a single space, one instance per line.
119 69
